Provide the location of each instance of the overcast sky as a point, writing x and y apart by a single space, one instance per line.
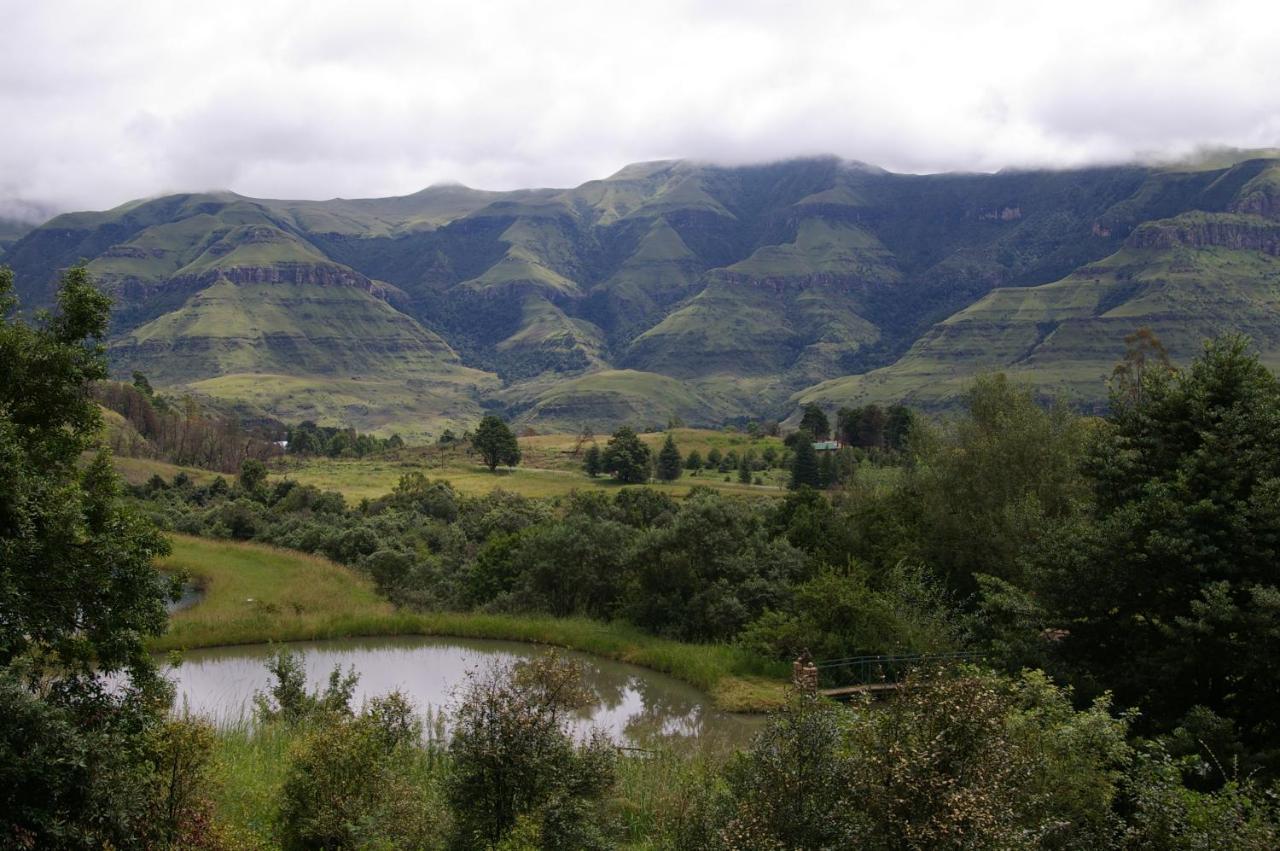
103 102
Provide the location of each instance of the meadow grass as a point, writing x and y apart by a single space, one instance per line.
255 594
137 471
549 468
247 773
374 477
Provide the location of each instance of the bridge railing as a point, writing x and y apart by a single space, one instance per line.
866 670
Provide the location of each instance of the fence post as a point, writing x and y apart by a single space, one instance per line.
804 674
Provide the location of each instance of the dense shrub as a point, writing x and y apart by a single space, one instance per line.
516 768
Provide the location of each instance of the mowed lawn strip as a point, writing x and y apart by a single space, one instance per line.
256 594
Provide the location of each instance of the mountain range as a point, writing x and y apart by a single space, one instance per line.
674 289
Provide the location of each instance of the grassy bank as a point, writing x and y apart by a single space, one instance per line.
256 594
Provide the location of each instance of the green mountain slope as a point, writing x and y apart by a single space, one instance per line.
672 288
1187 279
602 400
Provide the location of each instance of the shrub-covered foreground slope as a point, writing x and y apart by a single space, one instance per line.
672 289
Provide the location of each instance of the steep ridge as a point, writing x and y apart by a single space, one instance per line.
753 288
1188 278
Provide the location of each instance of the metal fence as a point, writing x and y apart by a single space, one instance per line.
867 670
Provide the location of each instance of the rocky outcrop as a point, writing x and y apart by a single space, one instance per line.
315 274
1261 201
1205 230
133 252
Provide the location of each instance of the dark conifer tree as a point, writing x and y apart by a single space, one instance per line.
815 422
669 467
804 465
592 462
626 457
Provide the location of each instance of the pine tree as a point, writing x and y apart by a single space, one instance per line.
826 470
744 470
804 466
669 468
592 462
693 461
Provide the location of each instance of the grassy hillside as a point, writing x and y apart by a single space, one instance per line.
11 230
603 400
254 593
357 479
332 353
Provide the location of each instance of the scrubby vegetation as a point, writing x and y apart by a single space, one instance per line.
179 431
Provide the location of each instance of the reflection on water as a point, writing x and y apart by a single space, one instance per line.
633 705
191 594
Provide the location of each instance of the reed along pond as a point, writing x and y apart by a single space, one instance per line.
635 706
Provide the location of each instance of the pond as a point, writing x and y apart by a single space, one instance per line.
634 706
191 594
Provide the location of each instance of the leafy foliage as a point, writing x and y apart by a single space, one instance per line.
1169 582
593 461
288 699
495 443
814 420
805 471
78 595
515 764
626 457
362 781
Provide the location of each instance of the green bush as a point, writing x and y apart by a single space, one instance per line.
362 782
515 763
289 700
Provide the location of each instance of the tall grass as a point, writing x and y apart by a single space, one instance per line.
249 765
661 798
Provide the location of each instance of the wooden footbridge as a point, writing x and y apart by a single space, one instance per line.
844 679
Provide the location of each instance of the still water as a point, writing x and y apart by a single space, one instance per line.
633 705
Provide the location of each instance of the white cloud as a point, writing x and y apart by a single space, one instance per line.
106 102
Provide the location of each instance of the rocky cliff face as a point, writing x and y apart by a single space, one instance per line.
1200 230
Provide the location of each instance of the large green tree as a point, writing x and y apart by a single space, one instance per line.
990 484
1169 590
814 420
495 443
626 457
78 592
